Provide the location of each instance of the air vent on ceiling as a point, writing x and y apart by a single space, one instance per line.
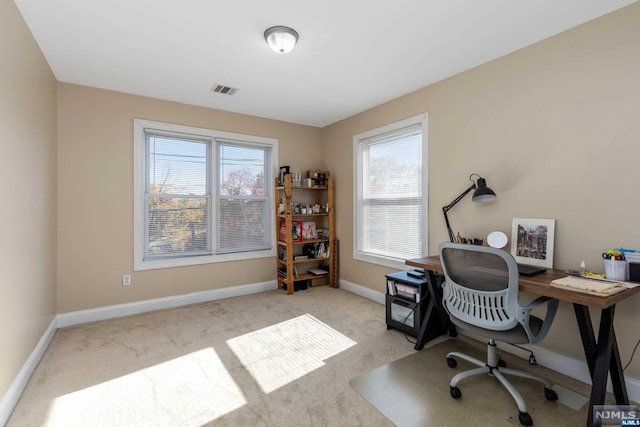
225 90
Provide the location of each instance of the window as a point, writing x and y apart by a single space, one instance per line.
201 196
390 221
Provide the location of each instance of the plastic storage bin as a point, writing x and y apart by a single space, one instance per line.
615 269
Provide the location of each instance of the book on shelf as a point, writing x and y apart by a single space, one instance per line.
322 250
318 272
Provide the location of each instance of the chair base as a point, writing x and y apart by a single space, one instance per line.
493 367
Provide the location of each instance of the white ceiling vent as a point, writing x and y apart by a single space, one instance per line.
225 90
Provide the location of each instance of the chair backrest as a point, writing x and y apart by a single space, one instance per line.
481 286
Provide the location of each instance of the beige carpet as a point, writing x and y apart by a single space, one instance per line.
266 359
414 391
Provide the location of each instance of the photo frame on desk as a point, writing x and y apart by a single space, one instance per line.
532 241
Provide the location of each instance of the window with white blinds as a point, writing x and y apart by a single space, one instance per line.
201 196
243 208
391 209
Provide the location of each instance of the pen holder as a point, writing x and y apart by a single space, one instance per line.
615 269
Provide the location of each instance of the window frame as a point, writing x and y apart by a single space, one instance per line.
359 254
139 155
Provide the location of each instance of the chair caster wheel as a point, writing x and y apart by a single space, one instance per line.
455 392
452 362
550 394
525 419
502 363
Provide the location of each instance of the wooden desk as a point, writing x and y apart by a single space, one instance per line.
602 355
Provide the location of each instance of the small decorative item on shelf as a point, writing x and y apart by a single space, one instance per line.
318 177
284 170
296 231
309 230
296 179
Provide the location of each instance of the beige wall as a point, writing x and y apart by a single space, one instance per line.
28 174
95 196
555 130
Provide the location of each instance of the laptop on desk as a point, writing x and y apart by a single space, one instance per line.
530 270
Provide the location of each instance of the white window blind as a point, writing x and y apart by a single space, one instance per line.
201 195
177 196
390 205
243 197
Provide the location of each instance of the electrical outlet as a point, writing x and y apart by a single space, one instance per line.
126 280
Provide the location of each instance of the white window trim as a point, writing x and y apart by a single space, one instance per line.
423 121
139 263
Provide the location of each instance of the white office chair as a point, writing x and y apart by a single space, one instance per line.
481 296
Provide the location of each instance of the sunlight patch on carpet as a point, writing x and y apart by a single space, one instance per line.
282 353
190 390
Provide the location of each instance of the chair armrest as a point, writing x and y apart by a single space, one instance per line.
552 308
536 302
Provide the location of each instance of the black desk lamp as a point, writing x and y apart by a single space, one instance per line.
482 194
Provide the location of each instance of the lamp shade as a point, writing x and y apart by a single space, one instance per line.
281 39
483 194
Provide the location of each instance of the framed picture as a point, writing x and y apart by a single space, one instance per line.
532 241
309 230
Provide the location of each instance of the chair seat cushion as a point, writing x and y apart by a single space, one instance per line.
515 335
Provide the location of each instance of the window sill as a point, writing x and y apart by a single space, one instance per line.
396 263
141 265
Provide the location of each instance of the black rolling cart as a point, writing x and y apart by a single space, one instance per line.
408 300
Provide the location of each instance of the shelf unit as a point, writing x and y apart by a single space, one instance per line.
289 271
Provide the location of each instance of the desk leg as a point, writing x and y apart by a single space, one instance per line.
589 344
435 303
607 358
617 374
435 287
603 358
586 333
422 335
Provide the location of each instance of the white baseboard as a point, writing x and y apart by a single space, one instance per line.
574 368
11 397
121 310
363 291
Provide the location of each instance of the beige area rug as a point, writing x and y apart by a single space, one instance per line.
266 359
414 391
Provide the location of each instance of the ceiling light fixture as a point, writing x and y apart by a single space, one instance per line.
281 39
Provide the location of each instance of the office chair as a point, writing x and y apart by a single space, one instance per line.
481 296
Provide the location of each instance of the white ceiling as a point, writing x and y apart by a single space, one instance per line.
352 54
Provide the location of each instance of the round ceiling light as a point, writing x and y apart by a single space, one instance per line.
281 39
